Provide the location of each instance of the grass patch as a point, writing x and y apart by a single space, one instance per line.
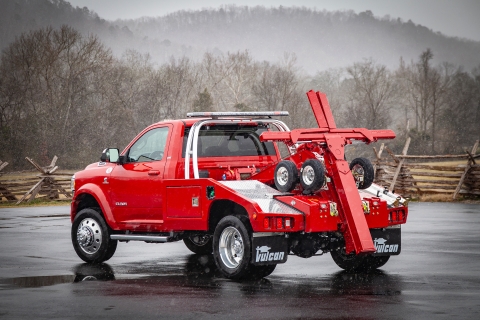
35 203
436 198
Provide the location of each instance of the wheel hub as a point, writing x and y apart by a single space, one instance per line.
237 248
282 176
85 236
308 175
231 247
89 235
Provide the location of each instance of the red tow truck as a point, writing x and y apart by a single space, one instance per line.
243 186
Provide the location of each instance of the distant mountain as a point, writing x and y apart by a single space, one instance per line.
320 39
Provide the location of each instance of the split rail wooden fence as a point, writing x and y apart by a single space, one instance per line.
412 175
46 182
408 175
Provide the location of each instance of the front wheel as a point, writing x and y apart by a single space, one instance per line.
232 248
91 237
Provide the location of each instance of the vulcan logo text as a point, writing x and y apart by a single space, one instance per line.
264 254
383 247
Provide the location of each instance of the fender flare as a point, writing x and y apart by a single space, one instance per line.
99 195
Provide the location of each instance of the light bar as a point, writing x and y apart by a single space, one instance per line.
237 114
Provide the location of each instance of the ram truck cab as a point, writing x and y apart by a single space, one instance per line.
243 187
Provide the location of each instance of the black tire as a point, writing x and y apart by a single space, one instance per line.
353 262
200 244
93 272
286 176
232 248
363 172
312 175
259 272
349 262
374 262
91 237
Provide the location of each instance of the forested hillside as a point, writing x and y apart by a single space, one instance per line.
320 39
64 91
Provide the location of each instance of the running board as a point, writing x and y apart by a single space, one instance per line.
138 237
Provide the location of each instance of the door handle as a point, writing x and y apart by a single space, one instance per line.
153 173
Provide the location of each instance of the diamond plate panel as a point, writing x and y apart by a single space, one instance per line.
261 194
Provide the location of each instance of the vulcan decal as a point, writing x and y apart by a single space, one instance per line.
264 254
382 246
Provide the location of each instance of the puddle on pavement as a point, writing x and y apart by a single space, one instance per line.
199 271
49 216
36 282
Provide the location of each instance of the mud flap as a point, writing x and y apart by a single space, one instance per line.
269 250
387 241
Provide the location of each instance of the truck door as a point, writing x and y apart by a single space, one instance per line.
136 185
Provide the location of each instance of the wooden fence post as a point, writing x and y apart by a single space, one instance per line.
4 192
378 155
46 179
400 164
469 165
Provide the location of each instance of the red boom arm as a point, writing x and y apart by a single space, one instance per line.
355 229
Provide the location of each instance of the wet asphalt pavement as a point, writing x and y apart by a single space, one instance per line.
437 276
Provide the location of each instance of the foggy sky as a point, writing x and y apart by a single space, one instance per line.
460 18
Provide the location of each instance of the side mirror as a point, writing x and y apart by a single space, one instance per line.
110 155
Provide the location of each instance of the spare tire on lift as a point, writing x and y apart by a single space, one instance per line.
312 175
286 176
363 172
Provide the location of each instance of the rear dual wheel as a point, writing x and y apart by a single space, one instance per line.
200 244
232 250
353 262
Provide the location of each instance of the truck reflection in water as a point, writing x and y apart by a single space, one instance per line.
200 272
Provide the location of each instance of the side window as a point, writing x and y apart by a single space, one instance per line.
150 146
230 141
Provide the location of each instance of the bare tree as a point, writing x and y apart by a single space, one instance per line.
427 87
372 90
49 82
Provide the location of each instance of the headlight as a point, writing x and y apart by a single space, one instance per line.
72 184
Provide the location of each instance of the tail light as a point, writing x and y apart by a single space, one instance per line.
397 216
266 223
279 223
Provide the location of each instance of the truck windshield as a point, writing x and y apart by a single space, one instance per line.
230 141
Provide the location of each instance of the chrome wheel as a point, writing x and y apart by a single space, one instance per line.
282 176
312 175
231 247
308 175
89 236
286 176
